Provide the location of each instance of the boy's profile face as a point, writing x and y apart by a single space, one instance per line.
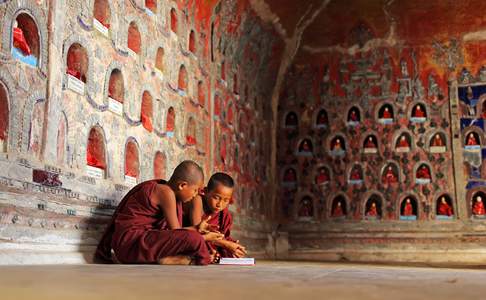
186 192
219 197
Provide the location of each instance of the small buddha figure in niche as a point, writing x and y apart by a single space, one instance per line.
403 142
387 113
355 174
321 118
338 210
418 111
437 141
372 210
471 140
408 208
353 116
305 146
444 209
290 175
322 176
74 70
478 207
291 120
19 41
423 172
306 209
370 143
389 176
337 144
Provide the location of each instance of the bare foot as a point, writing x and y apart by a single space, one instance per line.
175 260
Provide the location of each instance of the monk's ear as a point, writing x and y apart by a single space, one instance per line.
182 185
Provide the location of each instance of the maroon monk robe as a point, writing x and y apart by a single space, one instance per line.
139 233
223 220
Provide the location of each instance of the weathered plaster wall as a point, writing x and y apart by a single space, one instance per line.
364 57
52 206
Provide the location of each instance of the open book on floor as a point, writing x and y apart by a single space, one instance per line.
246 261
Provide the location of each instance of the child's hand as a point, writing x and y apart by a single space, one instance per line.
213 236
204 227
236 249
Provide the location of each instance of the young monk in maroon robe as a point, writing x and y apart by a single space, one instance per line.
214 204
146 226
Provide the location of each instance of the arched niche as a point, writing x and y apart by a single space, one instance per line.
437 142
472 140
4 117
182 79
386 114
306 208
305 147
354 116
159 59
444 207
95 150
116 86
322 120
356 174
423 173
339 207
134 40
390 173
191 132
322 175
147 111
102 13
337 145
77 62
289 177
173 20
170 122
418 113
159 165
26 40
192 42
373 209
132 162
409 209
403 142
291 120
478 210
370 144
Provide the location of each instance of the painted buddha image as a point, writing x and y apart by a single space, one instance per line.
478 206
372 210
408 208
390 176
443 208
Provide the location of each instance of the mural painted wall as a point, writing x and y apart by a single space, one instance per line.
96 96
381 135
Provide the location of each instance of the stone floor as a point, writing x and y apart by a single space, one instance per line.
266 280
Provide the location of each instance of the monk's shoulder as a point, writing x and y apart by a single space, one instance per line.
163 193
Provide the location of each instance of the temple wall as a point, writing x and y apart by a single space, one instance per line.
54 200
338 199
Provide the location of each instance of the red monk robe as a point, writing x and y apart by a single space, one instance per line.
471 140
19 41
403 142
372 212
387 114
223 220
444 208
355 174
338 210
478 207
408 209
139 232
423 173
418 113
437 141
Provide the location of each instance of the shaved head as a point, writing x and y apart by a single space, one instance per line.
188 171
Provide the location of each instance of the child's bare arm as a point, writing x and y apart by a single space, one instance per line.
166 200
196 210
